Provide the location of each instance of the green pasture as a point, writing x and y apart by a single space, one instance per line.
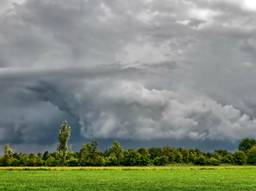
174 178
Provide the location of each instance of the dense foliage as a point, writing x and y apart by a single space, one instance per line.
90 155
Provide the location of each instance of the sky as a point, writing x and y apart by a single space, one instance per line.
143 72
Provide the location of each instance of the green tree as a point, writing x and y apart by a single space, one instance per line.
228 159
213 161
90 155
246 144
115 154
169 153
131 158
178 156
192 156
64 135
155 152
144 158
34 160
23 159
200 160
8 152
161 161
240 158
252 155
8 155
51 161
45 155
223 156
185 155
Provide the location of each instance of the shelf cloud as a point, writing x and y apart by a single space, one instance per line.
136 71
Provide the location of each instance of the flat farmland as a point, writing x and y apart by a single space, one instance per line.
173 178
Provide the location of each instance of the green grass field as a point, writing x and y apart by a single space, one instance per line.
118 179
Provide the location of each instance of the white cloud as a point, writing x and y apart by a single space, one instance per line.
202 14
8 5
129 110
107 13
183 22
147 16
248 64
249 5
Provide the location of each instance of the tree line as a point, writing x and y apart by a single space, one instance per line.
115 155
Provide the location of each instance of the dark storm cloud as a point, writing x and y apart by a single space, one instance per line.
143 71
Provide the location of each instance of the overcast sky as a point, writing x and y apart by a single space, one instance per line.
144 72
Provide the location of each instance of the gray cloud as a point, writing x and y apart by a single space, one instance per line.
137 71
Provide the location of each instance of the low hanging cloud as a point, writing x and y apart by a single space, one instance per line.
139 70
128 110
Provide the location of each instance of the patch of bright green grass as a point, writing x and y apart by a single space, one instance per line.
175 178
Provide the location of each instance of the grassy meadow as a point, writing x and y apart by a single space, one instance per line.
180 178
